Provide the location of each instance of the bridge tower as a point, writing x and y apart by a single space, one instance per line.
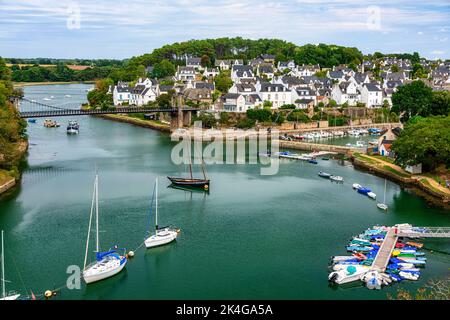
15 102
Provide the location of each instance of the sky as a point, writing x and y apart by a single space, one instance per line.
122 29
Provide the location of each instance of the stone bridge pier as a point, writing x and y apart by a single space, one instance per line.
180 119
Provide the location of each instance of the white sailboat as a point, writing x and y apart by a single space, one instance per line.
164 235
10 296
107 263
383 206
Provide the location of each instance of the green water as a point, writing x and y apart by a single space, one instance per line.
253 236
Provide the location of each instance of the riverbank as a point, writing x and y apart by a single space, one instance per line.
430 189
9 179
137 122
29 84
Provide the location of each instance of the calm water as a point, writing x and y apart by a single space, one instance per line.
252 237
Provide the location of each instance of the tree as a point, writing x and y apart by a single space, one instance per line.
165 100
267 104
412 99
205 61
440 103
163 69
223 81
426 141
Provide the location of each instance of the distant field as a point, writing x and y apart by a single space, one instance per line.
72 67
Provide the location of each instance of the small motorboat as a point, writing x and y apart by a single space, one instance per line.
313 161
325 158
337 178
356 186
73 127
32 120
382 206
373 280
324 174
347 274
415 244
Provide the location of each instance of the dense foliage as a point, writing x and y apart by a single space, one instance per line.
426 141
99 97
228 48
12 127
417 99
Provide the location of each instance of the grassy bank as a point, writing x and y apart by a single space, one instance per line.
432 190
152 124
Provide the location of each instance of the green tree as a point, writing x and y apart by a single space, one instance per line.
223 81
425 141
163 69
440 103
412 99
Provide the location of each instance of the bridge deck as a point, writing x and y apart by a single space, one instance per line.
79 112
385 252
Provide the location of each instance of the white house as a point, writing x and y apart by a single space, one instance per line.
140 95
121 94
211 73
265 70
235 102
304 94
185 73
275 93
241 72
371 95
283 65
345 92
194 62
242 88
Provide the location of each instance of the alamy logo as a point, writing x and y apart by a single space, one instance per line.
74 279
227 147
74 18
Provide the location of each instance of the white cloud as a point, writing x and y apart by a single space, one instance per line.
437 52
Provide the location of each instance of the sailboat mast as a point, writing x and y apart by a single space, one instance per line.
96 213
3 270
156 205
190 168
89 229
203 169
384 198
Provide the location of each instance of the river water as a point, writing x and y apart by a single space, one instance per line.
252 236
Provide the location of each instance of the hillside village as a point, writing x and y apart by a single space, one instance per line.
263 81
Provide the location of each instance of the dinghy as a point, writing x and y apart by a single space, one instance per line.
337 178
324 175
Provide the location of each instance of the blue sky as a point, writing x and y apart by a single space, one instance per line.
121 29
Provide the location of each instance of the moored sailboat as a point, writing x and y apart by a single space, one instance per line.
383 205
163 235
108 263
191 181
12 295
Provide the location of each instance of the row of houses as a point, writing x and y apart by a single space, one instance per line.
282 83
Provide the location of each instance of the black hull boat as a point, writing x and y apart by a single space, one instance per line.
192 183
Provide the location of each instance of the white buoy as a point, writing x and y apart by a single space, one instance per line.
48 294
131 254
